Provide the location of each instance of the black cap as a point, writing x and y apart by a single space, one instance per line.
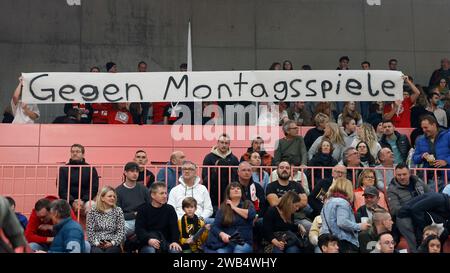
371 190
131 166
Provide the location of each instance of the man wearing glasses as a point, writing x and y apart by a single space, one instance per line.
190 187
292 147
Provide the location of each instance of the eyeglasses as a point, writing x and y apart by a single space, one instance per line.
339 172
369 177
188 169
295 128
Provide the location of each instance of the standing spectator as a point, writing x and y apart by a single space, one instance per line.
139 111
173 173
101 110
433 151
343 65
443 72
350 111
401 190
398 143
105 223
349 132
365 65
292 147
216 179
146 177
232 230
287 65
365 156
321 121
280 218
367 134
84 109
338 218
11 229
23 113
190 186
440 114
400 111
130 196
324 107
367 178
393 64
120 114
157 223
334 134
22 218
275 66
72 117
69 186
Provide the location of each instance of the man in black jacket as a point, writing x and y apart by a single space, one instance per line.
219 177
68 189
398 143
157 223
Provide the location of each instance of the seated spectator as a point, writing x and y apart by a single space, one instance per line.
259 175
7 115
385 244
190 186
130 196
298 113
322 158
381 223
366 158
22 218
146 177
338 218
83 109
419 110
173 173
257 146
431 230
320 120
349 130
328 243
269 114
105 223
352 161
280 219
334 134
320 189
367 134
433 106
120 114
10 229
366 179
23 113
72 117
350 111
324 107
192 228
385 170
69 186
232 230
398 143
69 236
39 232
442 72
371 197
431 244
252 191
157 224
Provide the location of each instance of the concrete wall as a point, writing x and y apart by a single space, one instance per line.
50 35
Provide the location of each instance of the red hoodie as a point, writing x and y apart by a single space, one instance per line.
32 232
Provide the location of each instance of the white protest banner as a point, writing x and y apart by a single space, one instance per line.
261 86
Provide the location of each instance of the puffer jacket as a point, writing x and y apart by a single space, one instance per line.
399 195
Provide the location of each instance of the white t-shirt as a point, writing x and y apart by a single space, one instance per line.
19 114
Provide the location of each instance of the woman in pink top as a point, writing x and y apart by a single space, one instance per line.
365 179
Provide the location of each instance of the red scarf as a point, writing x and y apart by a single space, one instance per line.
343 196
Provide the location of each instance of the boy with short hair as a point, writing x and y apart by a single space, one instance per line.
193 231
328 243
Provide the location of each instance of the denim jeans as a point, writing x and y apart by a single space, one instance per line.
150 249
230 248
291 249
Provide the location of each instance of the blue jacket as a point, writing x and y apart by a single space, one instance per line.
241 225
69 237
171 176
442 148
340 219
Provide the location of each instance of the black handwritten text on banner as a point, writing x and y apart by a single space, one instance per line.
317 85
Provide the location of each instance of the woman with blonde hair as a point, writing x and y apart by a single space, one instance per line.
367 134
334 134
105 223
338 218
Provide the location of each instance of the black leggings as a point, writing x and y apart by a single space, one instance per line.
113 249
